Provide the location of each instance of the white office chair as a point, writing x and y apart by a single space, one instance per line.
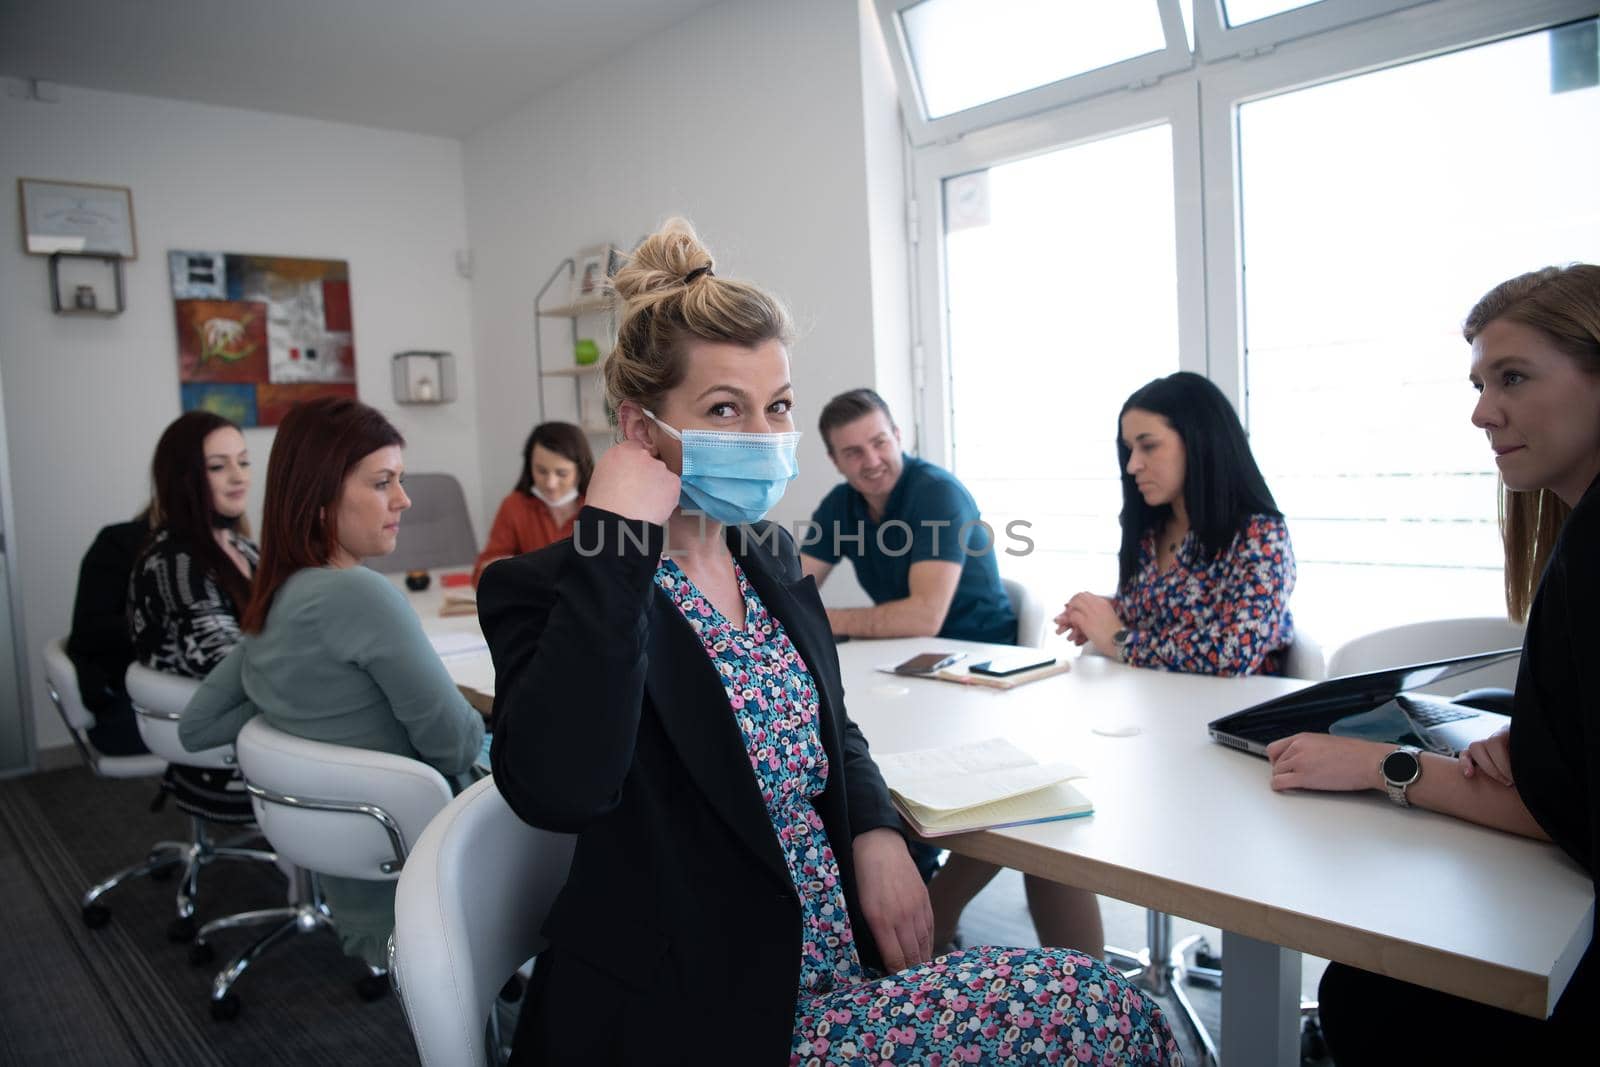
328 809
1030 612
158 700
1419 642
437 530
1306 658
467 915
62 678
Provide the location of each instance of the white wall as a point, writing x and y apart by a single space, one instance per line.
751 120
87 397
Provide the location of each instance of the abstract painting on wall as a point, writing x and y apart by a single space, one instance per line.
259 334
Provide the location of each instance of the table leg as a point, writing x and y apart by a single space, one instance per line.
1260 1003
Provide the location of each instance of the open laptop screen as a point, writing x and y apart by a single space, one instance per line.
1317 707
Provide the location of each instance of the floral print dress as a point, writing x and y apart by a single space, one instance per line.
989 1005
1228 615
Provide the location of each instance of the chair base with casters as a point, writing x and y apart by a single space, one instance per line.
61 677
1163 967
164 860
158 701
331 810
309 915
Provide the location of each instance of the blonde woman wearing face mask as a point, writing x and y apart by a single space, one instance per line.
740 890
556 465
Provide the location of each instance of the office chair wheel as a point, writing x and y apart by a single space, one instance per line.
181 929
373 987
201 953
226 1008
96 915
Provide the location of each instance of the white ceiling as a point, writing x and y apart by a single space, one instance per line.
427 66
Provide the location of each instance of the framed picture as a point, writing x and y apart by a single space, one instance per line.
258 334
592 278
74 217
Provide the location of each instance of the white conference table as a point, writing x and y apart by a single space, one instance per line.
1187 826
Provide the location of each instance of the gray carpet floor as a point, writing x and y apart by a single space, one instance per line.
124 994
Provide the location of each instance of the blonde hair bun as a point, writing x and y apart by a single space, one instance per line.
660 264
669 299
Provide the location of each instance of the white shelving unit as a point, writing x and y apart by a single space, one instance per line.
588 390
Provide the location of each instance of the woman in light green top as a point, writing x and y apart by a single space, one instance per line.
331 650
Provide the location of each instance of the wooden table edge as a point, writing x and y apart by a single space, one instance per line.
1523 992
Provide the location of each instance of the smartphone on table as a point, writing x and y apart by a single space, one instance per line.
1012 663
927 663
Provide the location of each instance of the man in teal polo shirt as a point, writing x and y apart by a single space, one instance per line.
920 548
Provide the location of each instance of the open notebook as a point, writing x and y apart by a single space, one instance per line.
982 785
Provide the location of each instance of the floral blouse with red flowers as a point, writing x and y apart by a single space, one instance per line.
1228 615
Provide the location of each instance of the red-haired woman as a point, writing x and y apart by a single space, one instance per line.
331 651
191 580
539 510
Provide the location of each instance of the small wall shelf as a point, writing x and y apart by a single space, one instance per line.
71 308
583 307
577 370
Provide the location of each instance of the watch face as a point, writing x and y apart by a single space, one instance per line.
1401 767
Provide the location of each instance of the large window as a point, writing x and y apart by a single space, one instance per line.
1061 283
1375 210
1304 213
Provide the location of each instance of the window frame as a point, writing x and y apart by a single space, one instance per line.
1141 70
1215 39
1174 105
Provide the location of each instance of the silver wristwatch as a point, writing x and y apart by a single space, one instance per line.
1400 768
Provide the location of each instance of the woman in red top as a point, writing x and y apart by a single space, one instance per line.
556 464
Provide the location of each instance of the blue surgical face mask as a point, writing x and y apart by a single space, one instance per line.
735 478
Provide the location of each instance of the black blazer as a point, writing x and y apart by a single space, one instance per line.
99 645
677 936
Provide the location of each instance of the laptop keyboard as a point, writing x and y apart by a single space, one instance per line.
1426 711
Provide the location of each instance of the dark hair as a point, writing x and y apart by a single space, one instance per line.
319 443
565 440
181 500
846 408
1222 486
1563 303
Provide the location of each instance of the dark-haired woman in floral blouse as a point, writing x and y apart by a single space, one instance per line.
1205 573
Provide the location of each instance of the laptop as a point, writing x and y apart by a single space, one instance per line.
1376 706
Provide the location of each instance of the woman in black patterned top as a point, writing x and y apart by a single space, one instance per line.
192 579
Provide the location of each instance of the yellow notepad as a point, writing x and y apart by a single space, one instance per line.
982 785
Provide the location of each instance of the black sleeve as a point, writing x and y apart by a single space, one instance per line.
867 796
567 630
99 644
1581 601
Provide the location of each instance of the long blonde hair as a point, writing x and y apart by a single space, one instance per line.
1563 303
670 295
